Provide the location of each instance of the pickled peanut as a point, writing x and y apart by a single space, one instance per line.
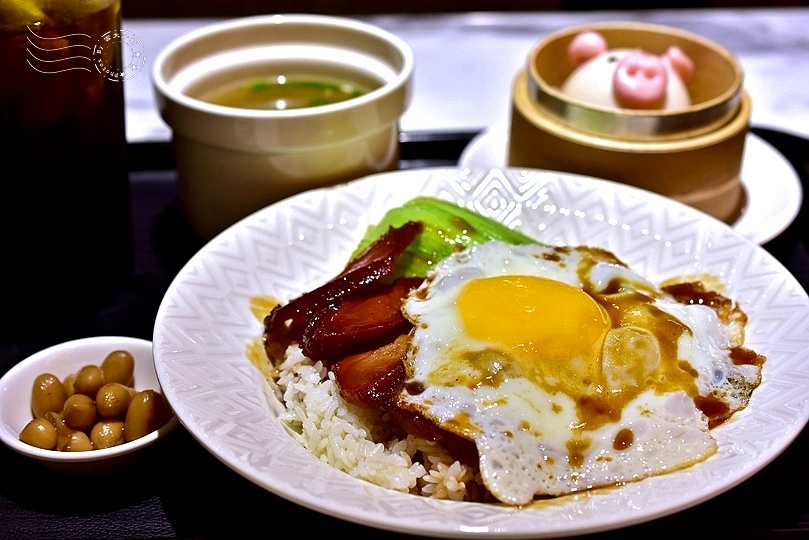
112 400
77 442
80 412
119 367
39 432
88 380
107 433
147 412
68 382
47 395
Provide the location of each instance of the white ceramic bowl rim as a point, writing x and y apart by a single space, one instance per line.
403 71
13 377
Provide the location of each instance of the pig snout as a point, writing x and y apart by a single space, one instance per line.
640 81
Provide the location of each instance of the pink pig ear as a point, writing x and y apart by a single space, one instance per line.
679 62
584 46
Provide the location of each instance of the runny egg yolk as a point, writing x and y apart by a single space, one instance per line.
562 339
539 329
536 317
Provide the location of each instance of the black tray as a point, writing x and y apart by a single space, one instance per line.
182 491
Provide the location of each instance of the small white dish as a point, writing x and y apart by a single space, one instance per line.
772 187
62 360
203 356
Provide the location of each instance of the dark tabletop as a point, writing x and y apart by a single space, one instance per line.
180 490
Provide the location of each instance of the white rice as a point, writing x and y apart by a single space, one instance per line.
363 443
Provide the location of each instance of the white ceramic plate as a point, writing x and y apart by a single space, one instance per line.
204 326
773 189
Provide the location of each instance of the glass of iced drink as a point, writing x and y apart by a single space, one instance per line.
65 215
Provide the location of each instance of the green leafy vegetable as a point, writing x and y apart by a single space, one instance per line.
447 228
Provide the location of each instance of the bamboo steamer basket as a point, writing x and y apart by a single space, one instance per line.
691 154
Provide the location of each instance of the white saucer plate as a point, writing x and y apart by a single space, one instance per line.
773 189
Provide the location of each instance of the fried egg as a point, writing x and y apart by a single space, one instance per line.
568 369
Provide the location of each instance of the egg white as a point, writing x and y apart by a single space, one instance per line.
595 415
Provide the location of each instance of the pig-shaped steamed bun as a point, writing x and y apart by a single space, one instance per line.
627 78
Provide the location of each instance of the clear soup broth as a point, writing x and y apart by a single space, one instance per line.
281 92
